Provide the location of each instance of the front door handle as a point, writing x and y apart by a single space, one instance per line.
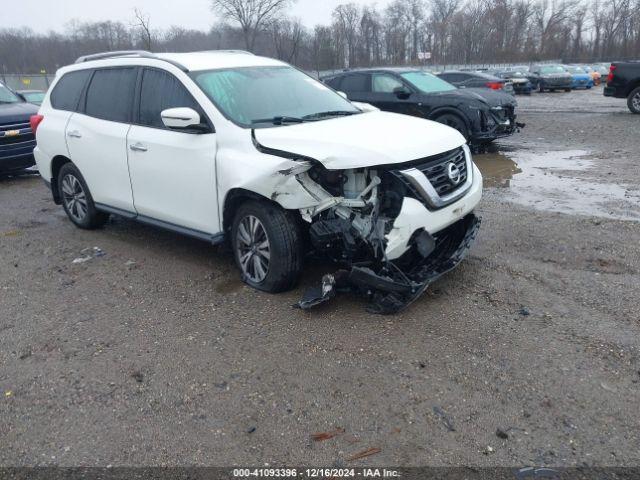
74 134
138 147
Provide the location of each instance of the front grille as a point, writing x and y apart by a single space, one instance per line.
435 168
16 139
437 173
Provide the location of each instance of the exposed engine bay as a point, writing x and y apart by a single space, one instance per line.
371 222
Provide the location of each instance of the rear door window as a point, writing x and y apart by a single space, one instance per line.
160 91
355 83
67 92
110 94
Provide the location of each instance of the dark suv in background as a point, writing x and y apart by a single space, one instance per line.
481 115
16 138
624 82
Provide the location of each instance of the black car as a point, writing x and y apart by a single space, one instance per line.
16 138
481 115
623 81
476 80
550 77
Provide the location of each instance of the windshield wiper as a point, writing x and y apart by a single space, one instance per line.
278 120
332 113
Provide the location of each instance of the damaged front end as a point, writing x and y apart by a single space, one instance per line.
375 222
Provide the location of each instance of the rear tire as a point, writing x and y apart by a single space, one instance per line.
567 89
77 200
454 121
633 101
267 246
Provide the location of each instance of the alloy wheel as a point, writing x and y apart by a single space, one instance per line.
635 101
74 197
253 248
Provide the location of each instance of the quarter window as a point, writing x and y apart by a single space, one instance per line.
160 91
66 94
110 94
383 83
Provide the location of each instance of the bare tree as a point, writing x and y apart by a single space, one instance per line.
251 15
143 24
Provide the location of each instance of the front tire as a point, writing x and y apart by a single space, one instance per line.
77 200
267 246
633 101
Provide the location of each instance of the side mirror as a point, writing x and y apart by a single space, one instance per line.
183 119
402 92
343 95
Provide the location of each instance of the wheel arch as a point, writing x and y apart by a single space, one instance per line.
633 85
236 197
453 111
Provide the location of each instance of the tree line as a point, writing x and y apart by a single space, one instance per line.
453 31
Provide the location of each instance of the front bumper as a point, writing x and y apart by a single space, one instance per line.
397 284
556 84
16 163
495 123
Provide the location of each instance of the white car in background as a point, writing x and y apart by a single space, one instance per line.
231 146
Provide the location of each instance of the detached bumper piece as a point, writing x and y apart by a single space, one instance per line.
395 285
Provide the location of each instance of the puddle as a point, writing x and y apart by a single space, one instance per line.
546 180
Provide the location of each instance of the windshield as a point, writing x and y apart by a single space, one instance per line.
426 82
7 96
267 96
34 97
552 69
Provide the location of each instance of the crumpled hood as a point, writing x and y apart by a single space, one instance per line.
16 112
493 98
362 140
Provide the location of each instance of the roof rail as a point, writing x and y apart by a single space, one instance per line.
245 52
129 53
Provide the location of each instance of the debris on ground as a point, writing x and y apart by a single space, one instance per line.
525 312
138 376
446 420
322 436
365 453
25 354
8 393
502 434
489 450
11 233
608 388
130 264
89 253
251 429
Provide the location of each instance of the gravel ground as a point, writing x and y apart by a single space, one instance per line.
156 354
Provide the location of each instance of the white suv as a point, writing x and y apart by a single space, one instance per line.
230 146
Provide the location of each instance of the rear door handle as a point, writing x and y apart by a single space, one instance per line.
74 134
138 147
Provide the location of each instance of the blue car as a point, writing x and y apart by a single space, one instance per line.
580 78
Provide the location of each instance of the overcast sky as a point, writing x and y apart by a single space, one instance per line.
53 14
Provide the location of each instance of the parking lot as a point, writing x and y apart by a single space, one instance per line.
150 350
